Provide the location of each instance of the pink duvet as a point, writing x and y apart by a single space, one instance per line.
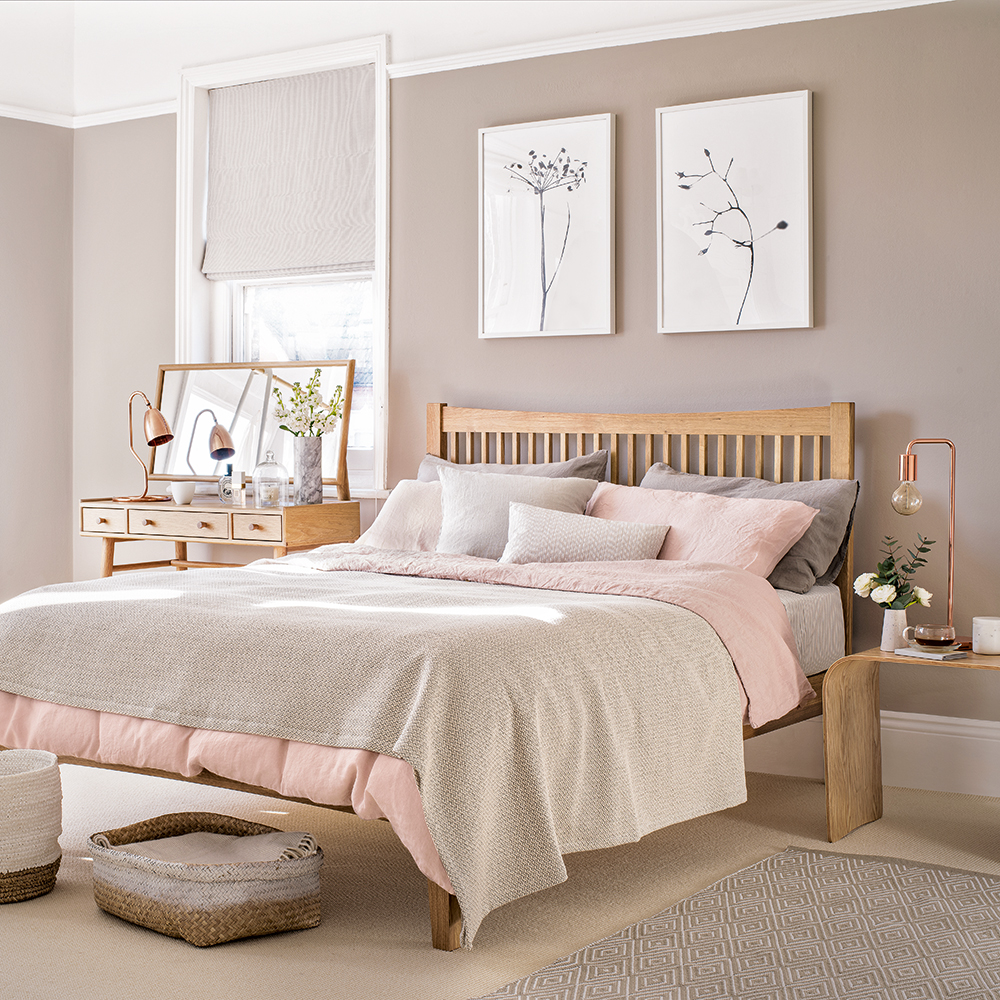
373 785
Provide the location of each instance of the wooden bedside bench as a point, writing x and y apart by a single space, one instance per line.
852 737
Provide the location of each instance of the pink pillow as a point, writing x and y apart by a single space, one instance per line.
750 534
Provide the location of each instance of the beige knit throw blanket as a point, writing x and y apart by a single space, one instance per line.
540 718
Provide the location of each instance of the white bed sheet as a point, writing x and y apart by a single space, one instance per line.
817 620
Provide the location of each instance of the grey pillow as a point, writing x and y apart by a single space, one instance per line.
593 466
475 507
818 555
548 536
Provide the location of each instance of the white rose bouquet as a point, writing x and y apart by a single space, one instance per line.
889 586
307 414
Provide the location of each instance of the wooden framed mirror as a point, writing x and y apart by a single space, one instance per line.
240 396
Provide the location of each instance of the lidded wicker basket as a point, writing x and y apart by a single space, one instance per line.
205 904
30 823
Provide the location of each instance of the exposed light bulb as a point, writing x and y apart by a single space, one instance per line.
906 499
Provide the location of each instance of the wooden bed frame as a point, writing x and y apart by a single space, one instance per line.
778 445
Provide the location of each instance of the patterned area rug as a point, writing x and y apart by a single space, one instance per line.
801 925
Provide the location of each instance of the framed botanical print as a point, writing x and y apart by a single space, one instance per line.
546 228
734 207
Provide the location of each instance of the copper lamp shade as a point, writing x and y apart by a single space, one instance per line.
220 444
156 431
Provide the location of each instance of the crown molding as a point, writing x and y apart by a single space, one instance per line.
317 59
802 10
40 117
125 114
313 59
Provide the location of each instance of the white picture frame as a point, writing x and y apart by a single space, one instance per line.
546 228
734 214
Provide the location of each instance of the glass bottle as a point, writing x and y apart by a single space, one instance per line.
270 482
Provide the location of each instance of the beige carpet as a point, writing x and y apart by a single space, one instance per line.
374 938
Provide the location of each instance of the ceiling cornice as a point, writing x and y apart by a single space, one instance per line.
803 10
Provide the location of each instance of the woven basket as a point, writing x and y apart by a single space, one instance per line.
204 904
30 823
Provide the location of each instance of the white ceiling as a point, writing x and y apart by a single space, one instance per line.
62 60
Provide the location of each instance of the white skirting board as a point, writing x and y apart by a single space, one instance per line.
933 752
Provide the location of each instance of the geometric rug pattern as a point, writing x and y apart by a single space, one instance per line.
800 925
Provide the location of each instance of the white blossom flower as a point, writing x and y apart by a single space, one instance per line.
863 584
307 413
885 594
923 596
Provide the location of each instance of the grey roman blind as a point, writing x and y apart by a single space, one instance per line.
291 175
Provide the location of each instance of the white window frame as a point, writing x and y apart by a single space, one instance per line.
204 309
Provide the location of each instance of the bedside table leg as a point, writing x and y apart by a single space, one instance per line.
181 553
852 745
107 556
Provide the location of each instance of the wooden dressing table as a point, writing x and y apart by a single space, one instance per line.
281 529
240 396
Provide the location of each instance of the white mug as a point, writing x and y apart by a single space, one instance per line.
182 492
986 636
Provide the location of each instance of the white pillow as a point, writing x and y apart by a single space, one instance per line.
410 519
592 466
548 536
475 506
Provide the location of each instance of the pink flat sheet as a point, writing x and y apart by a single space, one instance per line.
374 785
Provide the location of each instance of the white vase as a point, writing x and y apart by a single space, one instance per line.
893 623
308 469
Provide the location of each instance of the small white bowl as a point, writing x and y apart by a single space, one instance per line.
183 493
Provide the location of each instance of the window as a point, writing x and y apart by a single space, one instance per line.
315 318
280 306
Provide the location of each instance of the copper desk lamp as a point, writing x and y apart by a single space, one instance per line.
907 500
220 443
156 432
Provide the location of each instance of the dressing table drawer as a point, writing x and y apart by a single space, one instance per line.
178 523
103 519
257 527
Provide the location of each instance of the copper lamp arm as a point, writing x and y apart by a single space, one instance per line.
908 473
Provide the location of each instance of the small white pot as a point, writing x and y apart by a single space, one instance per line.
893 623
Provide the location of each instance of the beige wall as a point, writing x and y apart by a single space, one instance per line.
36 268
907 211
906 215
123 305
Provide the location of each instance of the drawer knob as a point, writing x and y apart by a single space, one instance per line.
147 521
102 520
255 527
203 524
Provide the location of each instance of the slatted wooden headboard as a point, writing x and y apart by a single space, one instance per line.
814 442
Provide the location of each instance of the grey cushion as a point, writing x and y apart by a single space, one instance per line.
540 535
593 466
475 507
818 555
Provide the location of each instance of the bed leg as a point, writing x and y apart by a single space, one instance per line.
446 918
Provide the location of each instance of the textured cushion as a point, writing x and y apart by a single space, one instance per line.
410 519
750 534
819 554
593 466
540 535
475 506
